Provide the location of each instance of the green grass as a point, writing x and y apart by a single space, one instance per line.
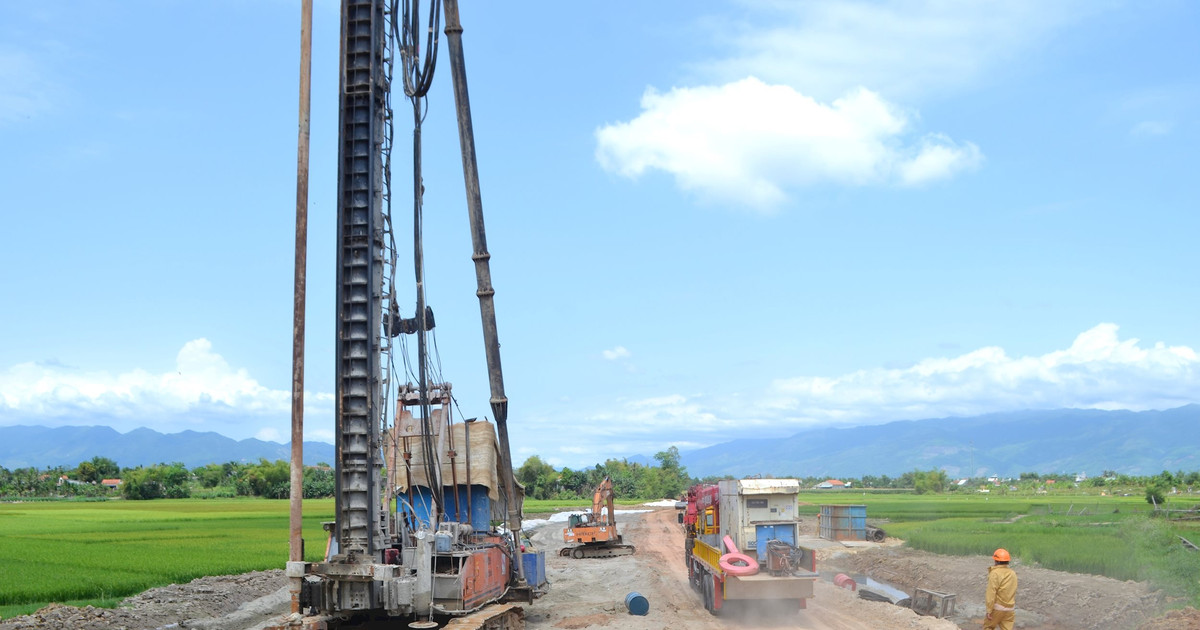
98 553
542 507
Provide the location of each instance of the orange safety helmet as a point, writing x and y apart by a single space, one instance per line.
1001 555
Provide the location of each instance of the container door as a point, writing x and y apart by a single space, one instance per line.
763 533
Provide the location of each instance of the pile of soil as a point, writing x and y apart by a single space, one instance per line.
1186 619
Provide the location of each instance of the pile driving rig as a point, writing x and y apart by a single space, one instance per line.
755 522
418 545
594 534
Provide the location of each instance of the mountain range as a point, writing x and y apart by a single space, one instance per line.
1071 441
1055 441
46 447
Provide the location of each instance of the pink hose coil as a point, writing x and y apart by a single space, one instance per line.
745 565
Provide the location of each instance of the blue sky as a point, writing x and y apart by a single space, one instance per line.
708 221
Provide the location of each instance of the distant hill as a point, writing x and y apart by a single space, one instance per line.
44 447
1007 444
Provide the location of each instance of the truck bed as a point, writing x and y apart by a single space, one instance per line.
763 585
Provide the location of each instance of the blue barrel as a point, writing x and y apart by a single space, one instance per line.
637 604
534 563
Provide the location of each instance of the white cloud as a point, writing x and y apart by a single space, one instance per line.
939 158
803 94
746 142
903 48
1098 370
619 352
269 434
203 393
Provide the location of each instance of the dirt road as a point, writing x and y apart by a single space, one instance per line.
588 594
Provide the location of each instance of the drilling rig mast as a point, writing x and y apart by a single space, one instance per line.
416 544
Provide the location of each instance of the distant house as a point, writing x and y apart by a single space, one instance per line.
67 480
111 484
960 482
831 483
1049 482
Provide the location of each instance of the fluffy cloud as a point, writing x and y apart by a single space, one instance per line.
619 352
746 142
1099 370
675 419
907 49
798 97
203 393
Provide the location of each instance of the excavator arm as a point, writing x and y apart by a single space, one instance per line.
602 499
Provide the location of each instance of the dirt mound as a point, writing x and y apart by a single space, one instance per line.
193 605
1186 619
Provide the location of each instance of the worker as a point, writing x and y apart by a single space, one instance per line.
1001 599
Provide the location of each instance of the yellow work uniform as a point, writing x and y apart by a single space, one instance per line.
1001 597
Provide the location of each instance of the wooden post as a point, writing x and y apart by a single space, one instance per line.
296 513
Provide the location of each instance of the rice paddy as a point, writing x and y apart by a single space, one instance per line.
98 553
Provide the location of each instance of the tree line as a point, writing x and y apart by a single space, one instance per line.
631 480
670 479
165 481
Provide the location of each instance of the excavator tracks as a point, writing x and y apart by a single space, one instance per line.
598 551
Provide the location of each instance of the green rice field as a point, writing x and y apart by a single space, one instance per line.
99 553
542 507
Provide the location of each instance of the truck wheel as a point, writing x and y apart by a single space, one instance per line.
712 598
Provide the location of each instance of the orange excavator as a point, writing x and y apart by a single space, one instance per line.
594 534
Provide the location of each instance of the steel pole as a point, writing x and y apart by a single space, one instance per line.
483 274
296 514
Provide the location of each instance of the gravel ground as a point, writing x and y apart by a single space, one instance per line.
222 602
